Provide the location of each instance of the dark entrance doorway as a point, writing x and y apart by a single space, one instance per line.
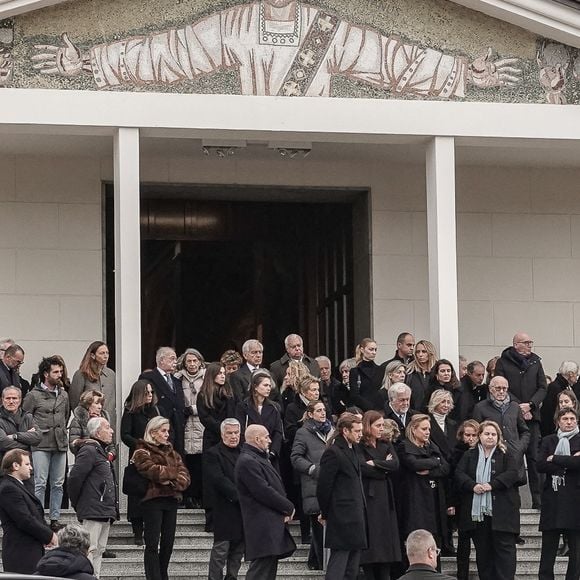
214 273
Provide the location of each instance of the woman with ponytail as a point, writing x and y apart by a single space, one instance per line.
366 377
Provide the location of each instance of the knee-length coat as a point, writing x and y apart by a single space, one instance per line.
384 544
559 508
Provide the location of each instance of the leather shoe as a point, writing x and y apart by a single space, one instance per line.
109 554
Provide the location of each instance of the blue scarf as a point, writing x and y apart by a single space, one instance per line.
563 448
481 505
323 426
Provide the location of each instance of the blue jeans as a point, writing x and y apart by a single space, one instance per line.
49 465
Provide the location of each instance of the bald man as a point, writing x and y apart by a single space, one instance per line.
265 508
527 386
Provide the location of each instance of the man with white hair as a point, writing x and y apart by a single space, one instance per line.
399 406
253 352
294 346
4 344
92 488
422 552
169 394
566 380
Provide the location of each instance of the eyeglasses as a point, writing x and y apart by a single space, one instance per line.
437 550
499 389
526 342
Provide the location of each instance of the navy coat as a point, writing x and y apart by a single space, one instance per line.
25 531
264 506
219 469
341 497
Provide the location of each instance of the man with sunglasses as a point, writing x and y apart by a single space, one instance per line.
527 384
10 367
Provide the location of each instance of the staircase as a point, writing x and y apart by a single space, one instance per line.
192 547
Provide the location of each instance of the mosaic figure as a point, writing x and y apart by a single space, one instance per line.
553 61
279 47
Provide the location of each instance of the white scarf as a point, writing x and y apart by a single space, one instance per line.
563 448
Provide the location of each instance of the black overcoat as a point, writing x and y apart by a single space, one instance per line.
219 469
341 497
264 506
25 532
211 417
526 379
240 381
383 529
560 508
423 502
550 403
418 383
505 495
365 381
444 440
171 404
247 414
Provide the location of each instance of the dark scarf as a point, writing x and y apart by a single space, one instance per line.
323 427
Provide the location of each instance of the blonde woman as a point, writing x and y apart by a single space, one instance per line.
366 377
487 479
157 461
418 372
395 372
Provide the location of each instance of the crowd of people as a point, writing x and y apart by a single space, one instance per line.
380 463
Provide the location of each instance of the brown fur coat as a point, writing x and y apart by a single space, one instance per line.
163 467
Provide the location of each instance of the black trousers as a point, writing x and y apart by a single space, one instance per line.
263 569
495 552
532 460
194 466
343 565
463 554
377 571
159 521
316 554
550 541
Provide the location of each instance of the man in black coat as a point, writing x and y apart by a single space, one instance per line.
10 365
228 532
253 352
341 499
22 515
566 380
422 553
294 351
92 488
405 348
398 407
527 382
471 391
265 508
169 394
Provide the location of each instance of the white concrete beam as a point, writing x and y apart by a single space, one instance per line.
442 251
127 262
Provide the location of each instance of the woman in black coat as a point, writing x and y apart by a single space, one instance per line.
442 377
257 409
378 461
309 445
487 479
215 402
140 407
560 461
366 378
423 481
419 372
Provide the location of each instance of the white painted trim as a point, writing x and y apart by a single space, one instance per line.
281 118
10 8
442 247
544 17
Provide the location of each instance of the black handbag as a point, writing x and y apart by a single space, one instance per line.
133 482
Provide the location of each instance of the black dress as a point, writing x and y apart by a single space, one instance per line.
365 381
383 530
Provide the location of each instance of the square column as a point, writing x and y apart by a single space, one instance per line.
442 247
127 262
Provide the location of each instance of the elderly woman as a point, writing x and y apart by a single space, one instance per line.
378 461
395 372
308 391
487 478
560 461
443 429
419 372
190 373
231 360
157 461
565 382
423 480
90 405
309 445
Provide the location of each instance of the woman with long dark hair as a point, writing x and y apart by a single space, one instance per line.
94 375
140 407
257 409
378 461
442 377
487 479
157 461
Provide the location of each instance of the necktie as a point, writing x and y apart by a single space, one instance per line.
169 382
402 417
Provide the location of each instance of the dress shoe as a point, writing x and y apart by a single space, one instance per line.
563 550
109 554
520 541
